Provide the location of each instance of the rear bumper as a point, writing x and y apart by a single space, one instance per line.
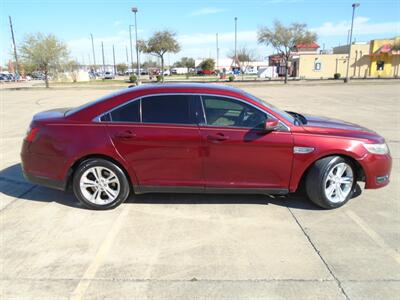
44 170
377 170
45 181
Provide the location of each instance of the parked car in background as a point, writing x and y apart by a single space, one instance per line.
199 138
4 78
179 71
206 72
37 75
8 76
108 75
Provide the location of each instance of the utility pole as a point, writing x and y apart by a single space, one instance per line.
15 50
217 51
127 59
94 56
135 10
115 70
130 44
102 52
235 40
354 5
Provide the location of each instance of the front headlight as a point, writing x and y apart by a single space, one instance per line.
377 148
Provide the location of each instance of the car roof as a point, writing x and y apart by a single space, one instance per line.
159 88
208 86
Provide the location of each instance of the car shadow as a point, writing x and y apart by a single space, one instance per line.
13 184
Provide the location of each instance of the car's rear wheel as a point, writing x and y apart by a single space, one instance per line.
100 184
331 182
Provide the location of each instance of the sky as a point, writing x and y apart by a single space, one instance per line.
195 23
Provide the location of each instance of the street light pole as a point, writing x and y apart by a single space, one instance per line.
115 70
235 41
135 10
130 44
354 5
94 56
104 64
127 59
15 50
217 51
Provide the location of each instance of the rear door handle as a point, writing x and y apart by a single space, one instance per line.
128 134
219 137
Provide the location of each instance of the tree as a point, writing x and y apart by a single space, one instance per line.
284 38
185 62
70 66
243 58
149 64
44 51
27 68
207 64
121 68
160 43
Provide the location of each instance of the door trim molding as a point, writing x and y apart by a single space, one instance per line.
208 190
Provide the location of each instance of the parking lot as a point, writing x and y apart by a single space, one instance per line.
168 246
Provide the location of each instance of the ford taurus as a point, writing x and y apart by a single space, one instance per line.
198 138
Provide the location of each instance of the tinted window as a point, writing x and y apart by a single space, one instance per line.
173 109
127 113
228 112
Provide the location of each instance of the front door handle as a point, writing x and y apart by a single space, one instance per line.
219 137
127 134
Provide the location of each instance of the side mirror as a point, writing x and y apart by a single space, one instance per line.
271 125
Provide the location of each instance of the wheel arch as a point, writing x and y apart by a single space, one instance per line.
360 173
74 167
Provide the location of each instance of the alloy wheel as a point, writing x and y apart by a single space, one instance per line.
339 182
99 185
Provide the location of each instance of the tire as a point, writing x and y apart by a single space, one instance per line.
100 184
323 182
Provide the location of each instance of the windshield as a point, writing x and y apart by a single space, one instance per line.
276 110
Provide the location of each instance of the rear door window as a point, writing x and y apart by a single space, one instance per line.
127 113
168 109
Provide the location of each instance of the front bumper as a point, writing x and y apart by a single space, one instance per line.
377 170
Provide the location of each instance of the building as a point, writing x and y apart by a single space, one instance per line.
385 57
377 58
314 65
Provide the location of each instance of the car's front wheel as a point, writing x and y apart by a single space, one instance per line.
331 182
100 184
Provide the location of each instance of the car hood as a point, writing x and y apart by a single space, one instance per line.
324 125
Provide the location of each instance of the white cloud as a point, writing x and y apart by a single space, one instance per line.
207 11
362 26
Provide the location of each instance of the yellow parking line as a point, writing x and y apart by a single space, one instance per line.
101 254
373 235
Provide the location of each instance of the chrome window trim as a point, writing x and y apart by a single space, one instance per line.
98 118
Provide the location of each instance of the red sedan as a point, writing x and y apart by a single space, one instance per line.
198 138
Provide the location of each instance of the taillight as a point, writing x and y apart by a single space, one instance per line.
31 134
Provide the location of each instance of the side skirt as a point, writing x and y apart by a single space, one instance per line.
210 190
